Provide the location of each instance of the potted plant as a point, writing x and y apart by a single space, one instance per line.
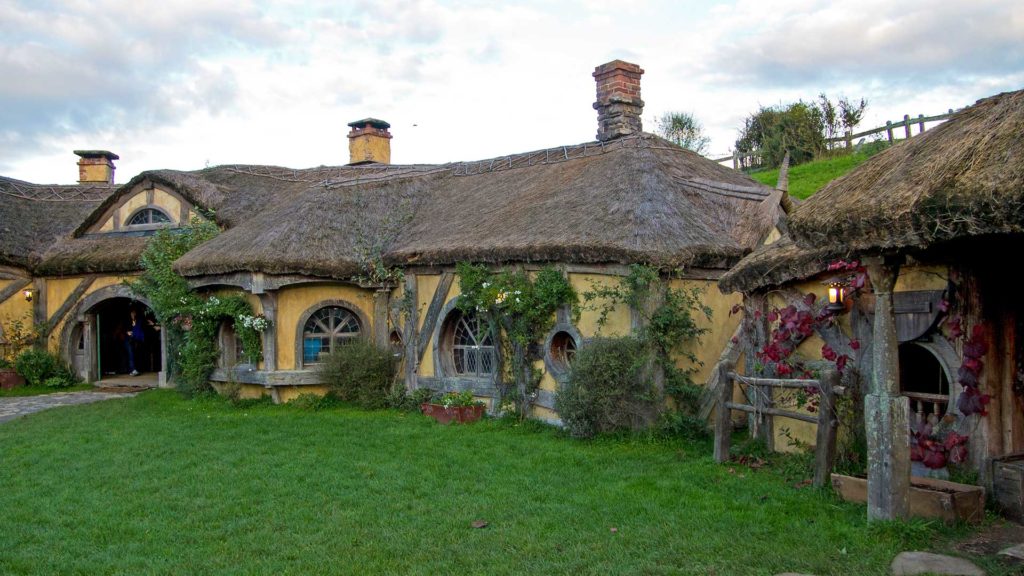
9 377
454 406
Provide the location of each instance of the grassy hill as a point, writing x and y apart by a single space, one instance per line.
806 179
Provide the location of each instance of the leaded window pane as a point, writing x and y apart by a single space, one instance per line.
149 216
472 346
326 330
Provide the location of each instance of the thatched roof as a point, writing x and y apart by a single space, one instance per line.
33 217
962 179
636 199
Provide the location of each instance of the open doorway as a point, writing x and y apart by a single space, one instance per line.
128 343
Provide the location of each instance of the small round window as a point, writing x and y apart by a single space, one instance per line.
562 351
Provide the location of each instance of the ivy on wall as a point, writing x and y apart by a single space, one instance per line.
192 320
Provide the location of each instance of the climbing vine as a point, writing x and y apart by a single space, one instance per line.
522 306
669 330
192 320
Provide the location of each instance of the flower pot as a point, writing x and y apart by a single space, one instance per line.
460 414
929 498
9 378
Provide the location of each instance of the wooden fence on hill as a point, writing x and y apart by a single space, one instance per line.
891 129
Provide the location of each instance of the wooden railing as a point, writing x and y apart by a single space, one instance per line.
919 404
826 419
749 159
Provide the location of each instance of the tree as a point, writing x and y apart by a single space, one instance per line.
683 129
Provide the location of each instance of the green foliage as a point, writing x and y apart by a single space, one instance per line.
458 399
58 382
669 332
771 132
314 402
607 390
400 399
19 334
684 129
523 306
36 366
359 372
806 179
192 321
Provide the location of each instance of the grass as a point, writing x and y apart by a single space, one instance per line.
38 390
806 179
160 485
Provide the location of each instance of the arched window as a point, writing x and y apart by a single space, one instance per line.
923 379
149 216
468 344
326 330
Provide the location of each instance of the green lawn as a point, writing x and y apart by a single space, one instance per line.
38 390
806 179
161 485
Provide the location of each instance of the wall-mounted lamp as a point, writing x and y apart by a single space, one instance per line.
836 294
29 294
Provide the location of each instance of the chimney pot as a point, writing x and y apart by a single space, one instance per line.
618 99
96 166
369 142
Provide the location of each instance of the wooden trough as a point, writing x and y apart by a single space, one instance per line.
929 498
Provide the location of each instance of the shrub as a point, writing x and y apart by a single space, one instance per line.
313 402
359 372
36 366
58 382
399 399
4 363
607 390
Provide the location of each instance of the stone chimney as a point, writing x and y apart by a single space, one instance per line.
618 99
96 166
369 141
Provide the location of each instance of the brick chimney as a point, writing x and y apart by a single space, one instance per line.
618 99
96 166
369 141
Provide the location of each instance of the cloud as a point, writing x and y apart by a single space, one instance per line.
115 65
912 43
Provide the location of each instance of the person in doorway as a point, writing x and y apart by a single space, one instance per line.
136 337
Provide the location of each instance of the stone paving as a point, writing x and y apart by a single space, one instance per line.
11 408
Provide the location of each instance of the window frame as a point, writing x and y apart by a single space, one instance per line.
170 223
300 331
448 347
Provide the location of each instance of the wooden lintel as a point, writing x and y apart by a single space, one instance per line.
70 301
13 288
433 312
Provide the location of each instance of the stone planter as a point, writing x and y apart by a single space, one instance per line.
929 498
9 379
460 414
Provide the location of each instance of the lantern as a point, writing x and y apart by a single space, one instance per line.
836 295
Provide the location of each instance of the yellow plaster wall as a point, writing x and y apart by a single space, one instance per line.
94 172
720 326
922 278
58 290
289 393
15 307
427 285
619 322
161 199
293 301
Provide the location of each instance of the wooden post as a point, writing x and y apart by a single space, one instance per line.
906 125
409 333
761 424
381 302
268 300
828 421
920 123
736 161
888 130
849 139
723 416
886 412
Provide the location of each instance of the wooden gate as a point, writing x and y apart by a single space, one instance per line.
826 419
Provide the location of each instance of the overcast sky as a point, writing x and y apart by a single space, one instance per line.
186 84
